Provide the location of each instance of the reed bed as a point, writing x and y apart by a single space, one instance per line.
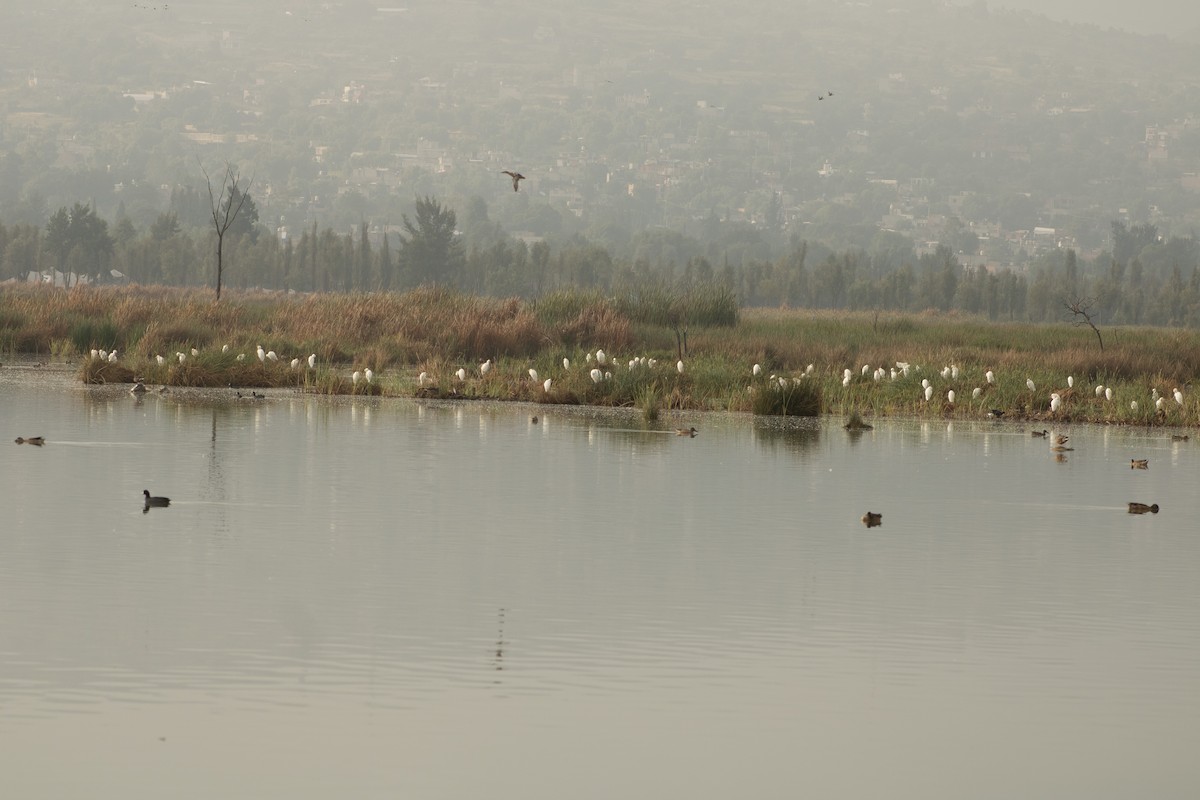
440 332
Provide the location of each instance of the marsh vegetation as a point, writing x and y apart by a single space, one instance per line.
653 351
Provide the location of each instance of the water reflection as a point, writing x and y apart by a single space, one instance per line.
359 581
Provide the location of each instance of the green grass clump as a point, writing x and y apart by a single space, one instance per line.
800 397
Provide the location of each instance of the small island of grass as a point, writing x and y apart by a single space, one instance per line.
652 350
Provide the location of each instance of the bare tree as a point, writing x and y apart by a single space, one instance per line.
1082 307
226 205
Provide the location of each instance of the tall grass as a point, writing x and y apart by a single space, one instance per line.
439 331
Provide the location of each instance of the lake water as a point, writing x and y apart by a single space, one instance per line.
384 598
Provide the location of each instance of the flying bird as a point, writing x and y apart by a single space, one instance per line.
516 178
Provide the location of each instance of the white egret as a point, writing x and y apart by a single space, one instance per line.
1178 396
596 375
312 361
950 396
946 372
1070 381
608 376
262 354
423 378
566 363
846 373
1133 406
865 367
846 381
160 360
461 374
808 370
954 371
1108 393
356 377
757 369
1055 403
182 357
924 383
990 376
195 352
104 355
533 374
368 374
679 366
295 363
546 385
928 393
1099 390
95 353
1158 404
976 392
1030 384
112 357
272 355
601 359
224 348
485 367
589 358
241 357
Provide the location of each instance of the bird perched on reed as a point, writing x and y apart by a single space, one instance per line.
516 178
1142 508
1139 463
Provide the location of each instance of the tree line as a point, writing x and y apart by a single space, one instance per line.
1143 280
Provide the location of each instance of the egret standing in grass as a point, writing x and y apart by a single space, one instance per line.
368 374
546 385
1030 384
1108 393
312 361
356 377
976 392
533 374
756 369
1070 382
950 396
566 363
596 375
295 363
461 374
1178 396
679 366
485 367
423 379
928 393
262 354
990 376
1055 403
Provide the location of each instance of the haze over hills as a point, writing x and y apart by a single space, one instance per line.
1000 131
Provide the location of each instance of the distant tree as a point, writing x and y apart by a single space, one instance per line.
78 242
431 253
225 205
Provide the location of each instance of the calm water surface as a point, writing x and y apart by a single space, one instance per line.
387 599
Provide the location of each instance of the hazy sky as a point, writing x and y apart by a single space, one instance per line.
1146 16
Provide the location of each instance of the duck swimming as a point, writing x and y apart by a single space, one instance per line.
157 502
686 432
1142 508
36 441
872 519
1139 463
